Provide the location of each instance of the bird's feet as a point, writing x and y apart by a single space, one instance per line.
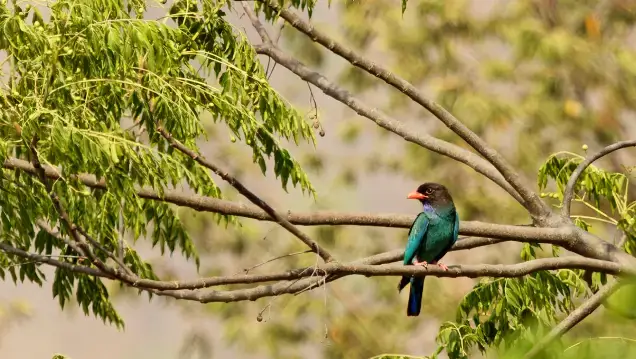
441 265
422 263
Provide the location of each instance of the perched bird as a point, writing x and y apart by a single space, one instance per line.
432 234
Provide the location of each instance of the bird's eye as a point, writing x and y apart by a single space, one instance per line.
428 191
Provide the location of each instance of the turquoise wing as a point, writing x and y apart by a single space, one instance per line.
456 228
417 236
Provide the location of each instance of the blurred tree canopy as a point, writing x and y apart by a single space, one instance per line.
531 77
96 81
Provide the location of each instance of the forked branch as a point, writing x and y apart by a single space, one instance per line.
529 198
336 271
383 120
370 266
323 253
77 243
522 233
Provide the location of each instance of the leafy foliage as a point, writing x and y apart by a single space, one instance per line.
604 193
512 313
303 5
501 313
87 82
81 80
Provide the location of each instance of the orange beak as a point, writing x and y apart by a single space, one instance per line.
416 195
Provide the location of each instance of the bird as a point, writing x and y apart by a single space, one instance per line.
431 236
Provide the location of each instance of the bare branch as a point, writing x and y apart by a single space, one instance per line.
304 280
577 315
530 199
463 243
258 26
524 233
341 270
568 194
370 266
391 124
249 195
588 245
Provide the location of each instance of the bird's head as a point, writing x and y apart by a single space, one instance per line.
433 194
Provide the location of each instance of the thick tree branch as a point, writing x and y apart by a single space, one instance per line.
370 266
568 194
560 236
588 245
531 200
577 315
214 205
341 270
381 119
323 253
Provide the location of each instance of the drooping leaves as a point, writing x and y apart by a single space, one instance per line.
86 81
510 314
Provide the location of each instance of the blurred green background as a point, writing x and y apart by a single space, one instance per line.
532 77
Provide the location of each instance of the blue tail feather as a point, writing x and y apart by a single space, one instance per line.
415 297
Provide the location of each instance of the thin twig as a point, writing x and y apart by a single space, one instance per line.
38 258
110 254
281 26
44 226
568 194
94 242
623 339
260 29
247 270
314 104
48 255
